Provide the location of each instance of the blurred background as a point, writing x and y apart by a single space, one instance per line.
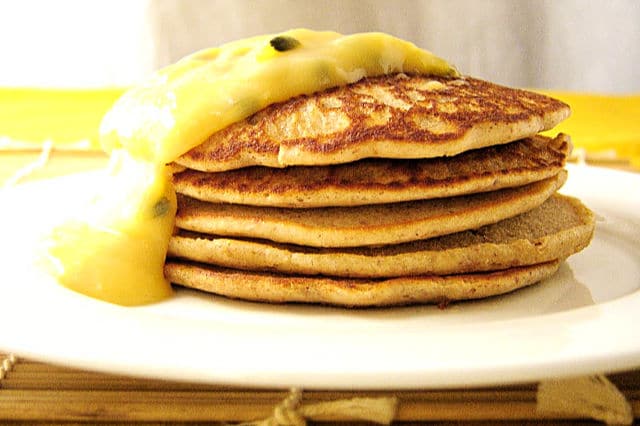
578 45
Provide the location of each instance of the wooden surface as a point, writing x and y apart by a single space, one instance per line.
33 392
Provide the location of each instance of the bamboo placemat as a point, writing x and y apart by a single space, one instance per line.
33 392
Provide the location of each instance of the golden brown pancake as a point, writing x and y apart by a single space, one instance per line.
374 181
557 229
364 225
279 288
393 190
394 116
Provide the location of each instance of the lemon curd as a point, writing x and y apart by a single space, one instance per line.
117 251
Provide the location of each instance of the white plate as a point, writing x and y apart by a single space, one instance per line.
583 320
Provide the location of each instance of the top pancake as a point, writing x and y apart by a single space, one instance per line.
395 116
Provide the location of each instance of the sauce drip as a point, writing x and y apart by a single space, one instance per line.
114 249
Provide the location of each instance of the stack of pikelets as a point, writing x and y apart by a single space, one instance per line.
390 191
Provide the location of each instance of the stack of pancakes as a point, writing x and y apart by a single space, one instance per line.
393 190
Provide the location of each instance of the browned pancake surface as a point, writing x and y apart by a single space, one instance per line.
390 117
376 181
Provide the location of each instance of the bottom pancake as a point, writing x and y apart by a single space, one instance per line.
423 289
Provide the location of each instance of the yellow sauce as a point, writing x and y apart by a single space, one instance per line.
185 103
117 253
114 250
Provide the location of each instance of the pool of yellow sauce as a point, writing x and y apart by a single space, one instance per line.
118 254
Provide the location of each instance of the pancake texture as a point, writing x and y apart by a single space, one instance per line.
396 116
375 181
365 225
557 229
280 288
393 190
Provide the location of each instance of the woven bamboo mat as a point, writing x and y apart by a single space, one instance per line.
33 391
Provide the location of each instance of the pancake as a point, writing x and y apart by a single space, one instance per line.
557 229
374 181
364 225
279 288
395 116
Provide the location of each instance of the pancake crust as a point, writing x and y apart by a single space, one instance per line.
364 225
279 288
394 116
557 229
377 181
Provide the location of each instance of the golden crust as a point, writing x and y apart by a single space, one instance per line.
391 117
377 181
